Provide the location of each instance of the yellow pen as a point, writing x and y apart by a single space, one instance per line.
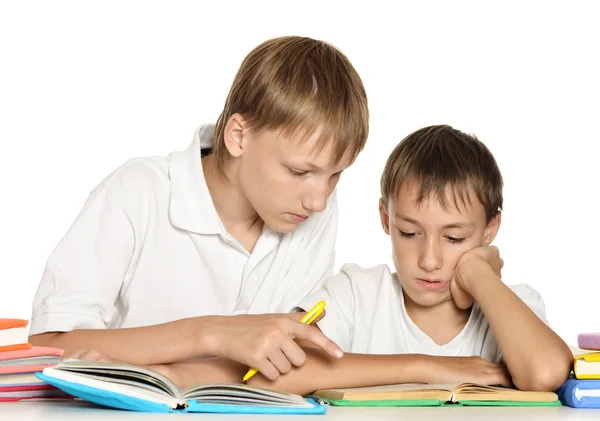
308 318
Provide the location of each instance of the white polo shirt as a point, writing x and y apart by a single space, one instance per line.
366 315
149 247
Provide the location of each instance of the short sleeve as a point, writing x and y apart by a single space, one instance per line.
533 299
338 323
84 274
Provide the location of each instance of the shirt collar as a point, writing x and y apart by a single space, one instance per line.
191 206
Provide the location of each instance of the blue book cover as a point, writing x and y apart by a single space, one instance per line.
133 388
580 393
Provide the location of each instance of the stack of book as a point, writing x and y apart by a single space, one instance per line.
582 390
19 361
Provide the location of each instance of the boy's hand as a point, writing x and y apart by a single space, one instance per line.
451 370
266 341
89 355
466 271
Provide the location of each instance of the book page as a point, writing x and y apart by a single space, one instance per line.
401 387
41 360
586 368
121 373
129 388
17 335
19 379
475 392
406 391
220 392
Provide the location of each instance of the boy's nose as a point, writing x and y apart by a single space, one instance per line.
431 257
315 203
316 199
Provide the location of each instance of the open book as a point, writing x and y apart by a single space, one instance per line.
418 394
139 389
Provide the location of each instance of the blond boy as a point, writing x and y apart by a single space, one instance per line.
198 253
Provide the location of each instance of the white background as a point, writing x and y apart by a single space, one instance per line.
85 86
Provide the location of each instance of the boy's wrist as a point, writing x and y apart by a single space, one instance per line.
425 368
204 341
475 275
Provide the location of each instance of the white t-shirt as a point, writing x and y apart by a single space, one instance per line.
149 247
365 314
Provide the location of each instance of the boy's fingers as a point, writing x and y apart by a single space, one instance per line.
293 352
300 314
297 315
76 355
314 335
320 317
267 369
280 361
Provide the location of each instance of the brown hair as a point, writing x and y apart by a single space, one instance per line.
439 157
299 85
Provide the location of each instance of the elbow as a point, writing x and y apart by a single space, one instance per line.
44 339
547 377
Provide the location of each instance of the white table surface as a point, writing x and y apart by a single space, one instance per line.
77 410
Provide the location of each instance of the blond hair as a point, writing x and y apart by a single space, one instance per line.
300 86
441 157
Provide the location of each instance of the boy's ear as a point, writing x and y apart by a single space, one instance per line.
234 135
385 219
492 229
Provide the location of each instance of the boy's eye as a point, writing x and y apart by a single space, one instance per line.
407 234
455 240
296 172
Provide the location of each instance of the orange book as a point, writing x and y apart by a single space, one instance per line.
13 335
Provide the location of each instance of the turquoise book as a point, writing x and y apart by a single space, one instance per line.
135 388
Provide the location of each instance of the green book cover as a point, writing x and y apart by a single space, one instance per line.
432 402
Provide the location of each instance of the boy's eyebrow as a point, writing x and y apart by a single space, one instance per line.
454 225
313 166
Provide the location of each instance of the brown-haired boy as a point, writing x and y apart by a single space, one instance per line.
445 316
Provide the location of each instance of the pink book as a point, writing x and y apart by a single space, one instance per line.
25 368
588 341
34 351
29 360
19 393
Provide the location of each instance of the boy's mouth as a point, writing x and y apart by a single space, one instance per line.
298 218
431 280
432 284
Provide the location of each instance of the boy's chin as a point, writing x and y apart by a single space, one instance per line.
427 298
281 225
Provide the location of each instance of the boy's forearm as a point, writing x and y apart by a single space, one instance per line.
353 370
202 371
318 372
536 357
157 344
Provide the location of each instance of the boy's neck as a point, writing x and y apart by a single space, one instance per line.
236 213
442 322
